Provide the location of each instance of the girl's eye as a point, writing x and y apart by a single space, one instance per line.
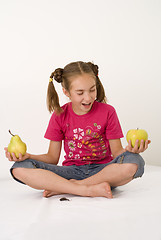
93 90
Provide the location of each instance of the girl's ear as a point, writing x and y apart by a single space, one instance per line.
66 92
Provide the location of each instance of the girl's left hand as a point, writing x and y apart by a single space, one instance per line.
137 149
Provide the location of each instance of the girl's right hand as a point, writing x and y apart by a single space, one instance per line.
13 157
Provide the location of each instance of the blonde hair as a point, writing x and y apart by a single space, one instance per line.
63 75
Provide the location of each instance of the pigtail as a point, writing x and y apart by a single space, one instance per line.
101 97
63 76
52 96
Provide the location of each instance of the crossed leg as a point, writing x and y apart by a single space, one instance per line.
114 175
43 179
96 185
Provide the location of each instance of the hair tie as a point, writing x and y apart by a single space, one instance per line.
50 79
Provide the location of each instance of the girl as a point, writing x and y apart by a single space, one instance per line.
95 160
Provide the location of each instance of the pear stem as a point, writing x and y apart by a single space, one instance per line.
11 133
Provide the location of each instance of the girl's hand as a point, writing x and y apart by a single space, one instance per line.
12 157
137 149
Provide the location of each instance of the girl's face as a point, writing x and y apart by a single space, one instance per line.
82 94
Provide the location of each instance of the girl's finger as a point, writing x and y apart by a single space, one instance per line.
6 149
20 157
142 146
146 144
129 147
135 149
14 157
129 144
8 155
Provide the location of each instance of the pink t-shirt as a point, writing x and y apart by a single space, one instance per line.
86 137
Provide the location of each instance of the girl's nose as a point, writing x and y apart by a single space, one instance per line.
87 97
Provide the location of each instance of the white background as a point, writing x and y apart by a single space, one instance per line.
122 37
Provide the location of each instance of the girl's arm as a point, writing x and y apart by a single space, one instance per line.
117 149
52 156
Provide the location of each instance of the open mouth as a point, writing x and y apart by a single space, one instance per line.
86 104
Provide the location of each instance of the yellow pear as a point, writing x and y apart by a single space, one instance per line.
16 145
135 134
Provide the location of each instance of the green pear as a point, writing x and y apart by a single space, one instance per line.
16 145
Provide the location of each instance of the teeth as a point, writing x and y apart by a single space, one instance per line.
86 104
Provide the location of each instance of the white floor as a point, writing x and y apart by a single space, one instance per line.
133 213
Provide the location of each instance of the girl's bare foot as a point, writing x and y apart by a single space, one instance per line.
100 190
48 194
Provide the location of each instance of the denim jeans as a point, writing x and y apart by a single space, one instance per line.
83 171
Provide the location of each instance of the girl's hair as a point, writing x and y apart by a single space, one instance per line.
63 76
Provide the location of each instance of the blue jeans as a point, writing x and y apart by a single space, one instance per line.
84 171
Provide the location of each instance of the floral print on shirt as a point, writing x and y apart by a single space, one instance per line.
87 144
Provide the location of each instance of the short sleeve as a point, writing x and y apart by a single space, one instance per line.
54 130
113 128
